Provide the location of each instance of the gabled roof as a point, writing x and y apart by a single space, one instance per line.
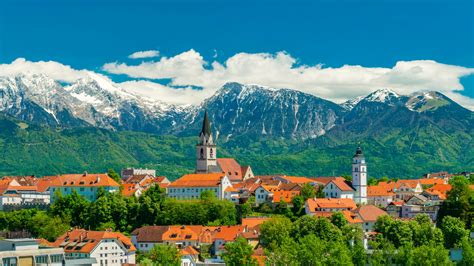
83 241
129 189
432 181
342 184
369 213
188 250
82 180
231 168
198 180
297 179
324 180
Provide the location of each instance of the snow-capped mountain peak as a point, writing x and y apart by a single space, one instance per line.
382 95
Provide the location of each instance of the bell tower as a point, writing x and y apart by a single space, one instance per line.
206 153
359 176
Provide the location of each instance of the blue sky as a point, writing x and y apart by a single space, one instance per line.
87 34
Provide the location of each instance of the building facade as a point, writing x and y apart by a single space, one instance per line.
359 177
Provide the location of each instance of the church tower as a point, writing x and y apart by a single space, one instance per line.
206 153
359 176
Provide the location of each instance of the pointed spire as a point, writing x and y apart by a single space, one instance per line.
358 150
206 125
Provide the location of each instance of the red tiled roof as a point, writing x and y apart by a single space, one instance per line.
286 196
251 222
188 250
342 184
129 189
379 190
431 181
83 241
369 213
82 180
297 179
328 203
198 180
324 180
440 189
231 168
229 233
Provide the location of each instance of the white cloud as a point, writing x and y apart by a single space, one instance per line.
281 70
278 70
53 69
144 54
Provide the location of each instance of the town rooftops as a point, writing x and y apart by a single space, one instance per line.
83 241
341 183
82 180
198 180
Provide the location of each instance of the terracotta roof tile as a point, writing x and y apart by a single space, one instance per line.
369 213
83 241
328 203
198 180
82 180
286 196
379 190
342 184
231 168
251 222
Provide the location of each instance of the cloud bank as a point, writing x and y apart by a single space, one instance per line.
182 73
144 54
281 70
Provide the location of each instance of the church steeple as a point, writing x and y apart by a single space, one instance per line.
206 152
359 176
206 126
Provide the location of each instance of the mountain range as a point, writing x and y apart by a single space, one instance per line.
265 127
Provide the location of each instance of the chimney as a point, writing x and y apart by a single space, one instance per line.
85 173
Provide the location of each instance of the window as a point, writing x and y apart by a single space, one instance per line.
81 189
56 258
9 261
202 153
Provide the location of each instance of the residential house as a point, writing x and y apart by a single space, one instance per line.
27 251
189 256
380 195
264 193
438 192
419 204
191 186
106 247
86 185
339 188
394 208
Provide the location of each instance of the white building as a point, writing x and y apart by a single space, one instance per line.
86 185
339 188
359 177
264 193
191 186
106 247
28 252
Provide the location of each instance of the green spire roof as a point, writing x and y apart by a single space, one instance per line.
206 126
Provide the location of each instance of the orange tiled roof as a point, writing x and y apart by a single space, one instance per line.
230 189
286 196
369 213
342 184
231 168
324 180
229 233
297 179
198 180
328 203
251 222
188 250
129 189
83 241
431 181
440 189
83 180
351 217
379 190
